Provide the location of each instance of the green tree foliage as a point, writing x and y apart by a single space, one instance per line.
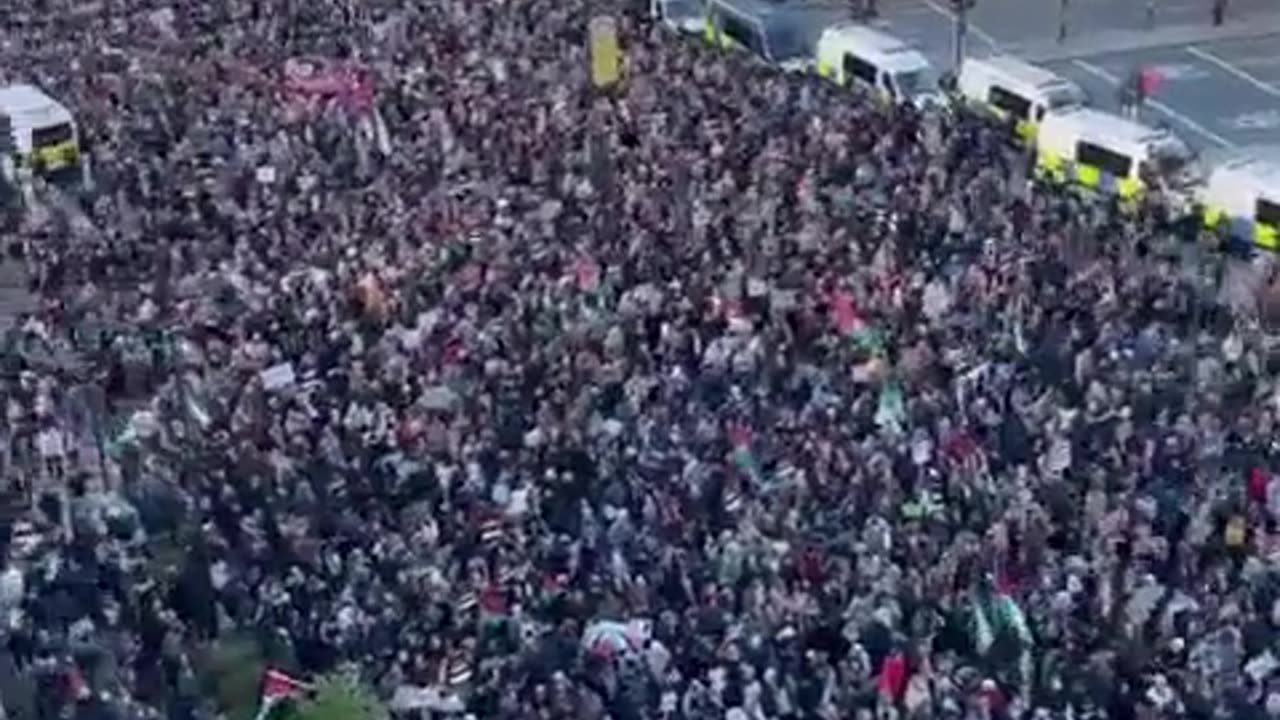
340 696
231 672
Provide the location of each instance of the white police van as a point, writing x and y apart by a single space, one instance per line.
43 137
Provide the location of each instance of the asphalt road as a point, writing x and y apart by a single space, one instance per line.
1224 94
1220 86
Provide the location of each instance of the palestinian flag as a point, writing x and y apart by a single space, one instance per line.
465 601
493 600
492 531
850 323
586 274
276 688
999 614
927 504
494 608
729 310
984 633
741 455
508 574
491 528
733 500
457 669
196 409
892 409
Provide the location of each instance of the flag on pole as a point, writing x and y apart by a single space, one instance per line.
891 412
196 409
1013 619
850 323
587 274
743 459
996 614
983 634
277 687
843 313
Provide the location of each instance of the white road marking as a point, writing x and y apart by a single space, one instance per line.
1260 61
1108 76
1215 60
1165 10
921 9
978 32
1257 120
1181 71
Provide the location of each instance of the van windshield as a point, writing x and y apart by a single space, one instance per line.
1172 158
1177 163
681 9
915 82
51 135
785 43
1064 97
795 35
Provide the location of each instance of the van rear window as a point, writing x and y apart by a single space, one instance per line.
740 32
857 67
1268 212
1103 159
1010 102
44 137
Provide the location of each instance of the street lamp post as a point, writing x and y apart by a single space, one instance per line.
960 13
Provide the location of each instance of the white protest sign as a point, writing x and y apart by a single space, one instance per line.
278 376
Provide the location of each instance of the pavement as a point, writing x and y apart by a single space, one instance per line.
1220 86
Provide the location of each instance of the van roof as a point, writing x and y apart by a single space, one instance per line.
1262 172
1021 71
870 37
22 99
893 51
764 8
1097 123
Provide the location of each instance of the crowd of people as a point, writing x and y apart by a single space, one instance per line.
722 393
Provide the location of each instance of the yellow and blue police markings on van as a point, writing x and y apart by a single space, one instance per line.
1065 170
1263 235
714 36
825 69
1052 165
56 156
1026 130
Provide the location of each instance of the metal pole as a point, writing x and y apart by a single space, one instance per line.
961 34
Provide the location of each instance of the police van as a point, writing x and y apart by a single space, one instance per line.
856 55
780 33
1015 92
682 16
1242 197
1114 155
43 136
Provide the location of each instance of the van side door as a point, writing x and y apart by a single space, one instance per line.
743 33
889 88
855 69
1007 101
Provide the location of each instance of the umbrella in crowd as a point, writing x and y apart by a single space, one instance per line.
721 394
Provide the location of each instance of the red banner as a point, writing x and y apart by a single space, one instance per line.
310 82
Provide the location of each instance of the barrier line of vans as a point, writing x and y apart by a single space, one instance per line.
1074 144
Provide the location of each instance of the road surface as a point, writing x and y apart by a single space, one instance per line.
1220 85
